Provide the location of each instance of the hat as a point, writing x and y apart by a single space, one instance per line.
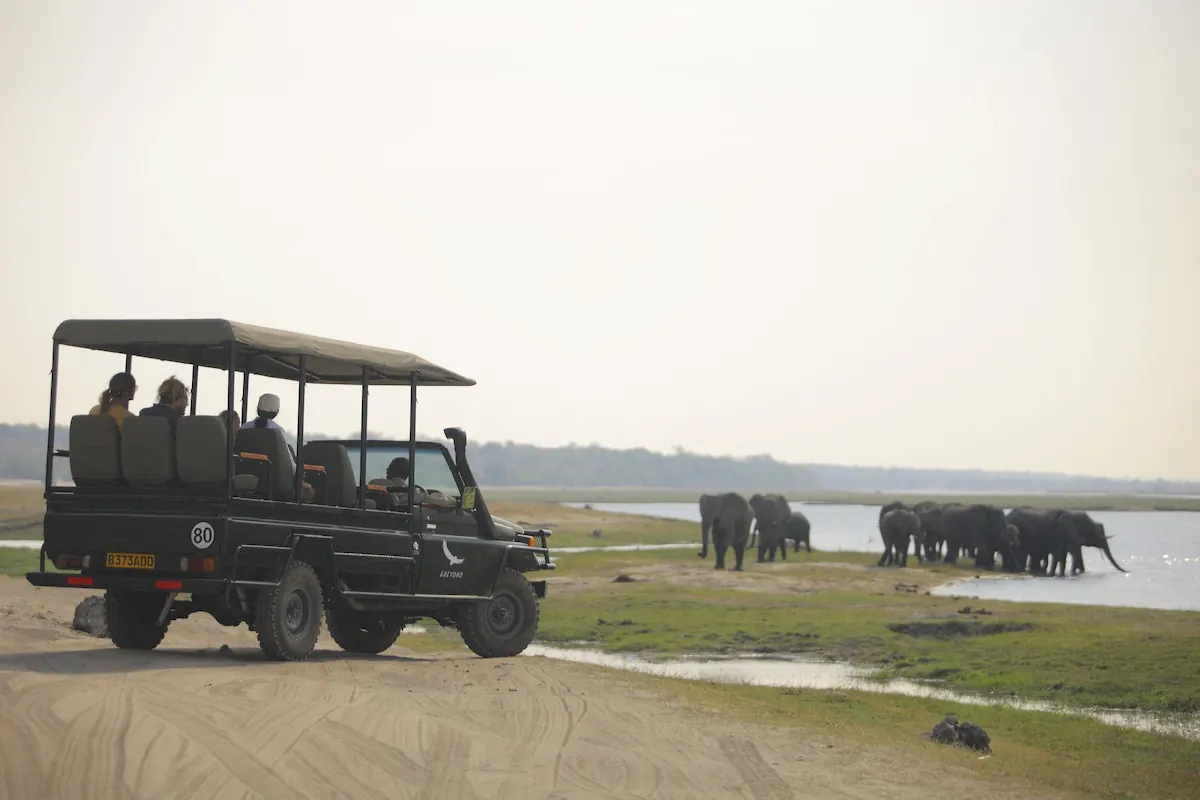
268 404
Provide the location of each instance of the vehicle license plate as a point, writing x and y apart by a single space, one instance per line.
129 560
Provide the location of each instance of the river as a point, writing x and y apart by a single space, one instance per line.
1160 550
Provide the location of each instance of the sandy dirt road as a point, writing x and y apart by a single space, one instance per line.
81 719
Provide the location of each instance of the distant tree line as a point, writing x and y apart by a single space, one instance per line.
23 454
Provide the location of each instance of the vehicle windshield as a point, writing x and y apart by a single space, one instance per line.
431 470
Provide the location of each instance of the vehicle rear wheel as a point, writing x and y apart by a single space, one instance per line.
503 626
356 632
132 619
288 617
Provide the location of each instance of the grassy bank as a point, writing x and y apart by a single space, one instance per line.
1075 655
1111 502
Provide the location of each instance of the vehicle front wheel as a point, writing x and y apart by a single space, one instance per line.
505 625
132 619
361 633
288 617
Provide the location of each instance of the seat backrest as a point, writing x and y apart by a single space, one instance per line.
95 445
200 451
148 451
339 473
269 442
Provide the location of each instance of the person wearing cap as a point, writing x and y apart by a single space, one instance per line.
268 407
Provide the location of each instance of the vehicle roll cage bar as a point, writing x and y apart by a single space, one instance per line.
302 376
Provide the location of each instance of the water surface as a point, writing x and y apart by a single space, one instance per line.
806 674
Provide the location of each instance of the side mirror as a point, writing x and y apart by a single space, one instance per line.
468 498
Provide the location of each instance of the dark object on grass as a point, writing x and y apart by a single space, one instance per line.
961 734
623 578
90 616
596 533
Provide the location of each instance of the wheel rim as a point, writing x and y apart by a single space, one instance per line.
503 615
296 613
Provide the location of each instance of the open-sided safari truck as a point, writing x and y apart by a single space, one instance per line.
170 522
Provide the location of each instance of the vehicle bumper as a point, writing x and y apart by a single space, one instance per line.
136 583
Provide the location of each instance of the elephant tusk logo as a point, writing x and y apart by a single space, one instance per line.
453 559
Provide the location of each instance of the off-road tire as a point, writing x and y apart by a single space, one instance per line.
355 632
505 625
132 619
288 616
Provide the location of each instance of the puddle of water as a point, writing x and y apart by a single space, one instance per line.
616 548
806 674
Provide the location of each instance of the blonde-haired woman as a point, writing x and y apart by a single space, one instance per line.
172 401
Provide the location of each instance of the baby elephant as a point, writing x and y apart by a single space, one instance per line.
897 528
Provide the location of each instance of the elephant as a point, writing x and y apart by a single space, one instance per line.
708 510
897 527
932 530
771 516
1091 534
1047 537
731 527
979 529
798 530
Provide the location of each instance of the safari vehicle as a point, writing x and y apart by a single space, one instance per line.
171 522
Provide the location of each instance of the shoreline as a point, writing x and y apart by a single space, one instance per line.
1076 501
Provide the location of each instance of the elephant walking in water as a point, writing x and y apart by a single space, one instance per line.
979 529
897 527
731 527
1048 536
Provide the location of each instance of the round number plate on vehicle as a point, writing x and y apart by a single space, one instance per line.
203 535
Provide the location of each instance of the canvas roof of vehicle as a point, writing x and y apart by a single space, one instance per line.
262 351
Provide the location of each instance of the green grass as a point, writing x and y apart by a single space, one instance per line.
1040 751
1109 502
1075 655
16 561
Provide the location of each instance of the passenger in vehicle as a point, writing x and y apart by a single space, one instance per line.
230 418
172 402
268 408
114 401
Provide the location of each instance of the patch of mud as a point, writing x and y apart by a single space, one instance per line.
956 629
800 673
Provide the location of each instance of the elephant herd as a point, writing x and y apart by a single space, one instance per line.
735 522
1025 538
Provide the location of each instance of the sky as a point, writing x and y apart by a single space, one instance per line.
932 234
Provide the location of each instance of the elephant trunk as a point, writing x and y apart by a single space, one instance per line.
1112 560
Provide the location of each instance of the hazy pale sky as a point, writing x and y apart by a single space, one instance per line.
940 234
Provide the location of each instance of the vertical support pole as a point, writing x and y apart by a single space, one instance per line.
229 400
245 394
412 451
195 384
53 408
362 444
129 362
300 427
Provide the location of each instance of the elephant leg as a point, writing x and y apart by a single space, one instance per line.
704 531
917 548
739 550
762 549
783 550
902 553
807 546
719 548
887 550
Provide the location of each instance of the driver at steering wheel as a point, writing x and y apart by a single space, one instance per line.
396 482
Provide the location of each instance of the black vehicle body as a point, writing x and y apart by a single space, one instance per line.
177 549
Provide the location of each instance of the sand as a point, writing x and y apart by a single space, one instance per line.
82 719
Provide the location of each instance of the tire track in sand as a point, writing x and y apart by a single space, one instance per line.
761 780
